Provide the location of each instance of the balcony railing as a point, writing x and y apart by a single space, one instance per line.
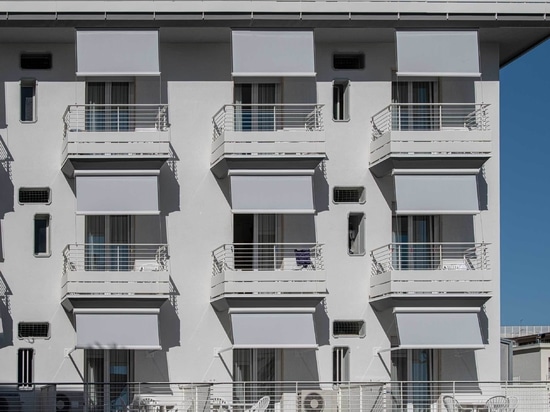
115 257
430 116
430 256
285 396
267 118
115 118
268 257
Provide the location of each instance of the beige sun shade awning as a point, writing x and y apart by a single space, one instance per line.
438 328
289 192
438 53
117 329
273 328
273 53
436 192
117 53
117 192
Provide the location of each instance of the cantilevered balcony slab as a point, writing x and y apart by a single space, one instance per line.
408 136
259 134
255 271
103 273
130 136
420 271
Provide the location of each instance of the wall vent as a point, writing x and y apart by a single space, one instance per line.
34 195
349 194
348 61
348 328
28 330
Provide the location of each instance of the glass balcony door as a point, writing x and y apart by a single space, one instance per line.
412 370
414 236
255 108
107 375
108 241
415 109
108 106
256 372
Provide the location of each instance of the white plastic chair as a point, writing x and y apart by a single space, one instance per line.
452 405
260 406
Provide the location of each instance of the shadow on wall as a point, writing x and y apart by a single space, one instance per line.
6 187
169 322
322 324
169 186
6 321
483 190
321 188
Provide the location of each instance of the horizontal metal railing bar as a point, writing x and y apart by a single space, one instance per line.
115 117
115 257
295 396
430 116
267 117
430 256
268 256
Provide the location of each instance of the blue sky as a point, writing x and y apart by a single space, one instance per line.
525 188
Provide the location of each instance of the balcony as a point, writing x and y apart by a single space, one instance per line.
268 270
107 132
405 270
263 132
430 135
138 271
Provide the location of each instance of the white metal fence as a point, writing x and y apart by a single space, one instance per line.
282 397
115 257
267 117
115 118
268 256
430 116
430 256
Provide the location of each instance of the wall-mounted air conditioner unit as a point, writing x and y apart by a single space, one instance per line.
313 400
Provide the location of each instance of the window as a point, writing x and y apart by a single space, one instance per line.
25 359
356 234
107 374
348 328
348 61
109 106
349 194
34 195
36 61
28 100
340 100
256 370
41 235
340 365
33 330
108 242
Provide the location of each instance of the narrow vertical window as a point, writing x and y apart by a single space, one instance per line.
41 235
356 234
28 100
25 359
340 365
340 100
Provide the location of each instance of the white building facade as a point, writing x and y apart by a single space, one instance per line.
201 191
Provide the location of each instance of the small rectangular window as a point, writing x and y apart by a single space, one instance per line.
42 235
25 359
355 194
36 61
340 365
340 100
33 330
34 195
356 234
348 61
28 100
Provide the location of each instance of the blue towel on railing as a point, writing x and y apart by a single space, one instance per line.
303 257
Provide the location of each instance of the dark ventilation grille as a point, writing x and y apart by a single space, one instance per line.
348 328
348 61
36 61
33 330
34 195
349 194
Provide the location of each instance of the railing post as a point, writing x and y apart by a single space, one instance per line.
440 116
118 118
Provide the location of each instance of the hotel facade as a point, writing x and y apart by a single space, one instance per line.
237 199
